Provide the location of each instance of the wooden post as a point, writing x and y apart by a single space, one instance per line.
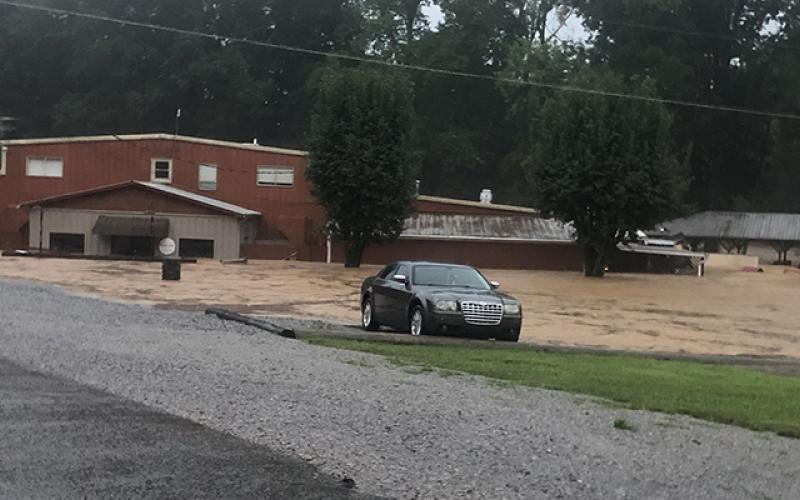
41 229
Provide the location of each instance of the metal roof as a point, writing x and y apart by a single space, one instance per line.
520 228
738 226
146 137
657 250
161 188
198 198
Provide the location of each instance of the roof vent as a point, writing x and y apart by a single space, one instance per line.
486 197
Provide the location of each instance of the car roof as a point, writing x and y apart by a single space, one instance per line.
430 263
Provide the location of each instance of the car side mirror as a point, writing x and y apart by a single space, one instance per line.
494 284
400 278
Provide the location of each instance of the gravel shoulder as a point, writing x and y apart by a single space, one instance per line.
396 432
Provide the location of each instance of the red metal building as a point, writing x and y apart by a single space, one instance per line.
264 179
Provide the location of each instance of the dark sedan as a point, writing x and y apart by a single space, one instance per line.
432 298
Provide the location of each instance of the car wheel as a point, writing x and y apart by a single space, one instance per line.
416 321
368 316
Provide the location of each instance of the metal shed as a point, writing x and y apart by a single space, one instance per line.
129 219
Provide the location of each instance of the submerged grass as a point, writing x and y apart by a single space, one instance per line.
718 393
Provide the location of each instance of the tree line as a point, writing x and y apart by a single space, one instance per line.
64 75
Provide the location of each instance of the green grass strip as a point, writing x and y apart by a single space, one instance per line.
726 394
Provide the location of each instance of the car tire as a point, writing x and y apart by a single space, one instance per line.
368 321
416 321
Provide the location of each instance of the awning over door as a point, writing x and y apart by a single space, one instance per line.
131 226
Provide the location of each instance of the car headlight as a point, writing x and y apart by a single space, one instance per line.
446 305
511 309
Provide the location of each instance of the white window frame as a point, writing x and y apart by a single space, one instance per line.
3 159
45 159
275 170
205 185
153 162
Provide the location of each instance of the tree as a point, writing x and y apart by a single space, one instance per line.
462 122
530 62
780 181
362 167
712 51
321 25
605 164
393 26
122 79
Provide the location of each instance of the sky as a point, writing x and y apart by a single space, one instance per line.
572 31
434 14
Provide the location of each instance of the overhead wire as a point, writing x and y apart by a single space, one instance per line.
679 31
412 67
663 29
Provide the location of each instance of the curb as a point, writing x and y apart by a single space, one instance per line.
228 315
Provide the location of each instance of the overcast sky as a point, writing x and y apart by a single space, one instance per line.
434 14
573 31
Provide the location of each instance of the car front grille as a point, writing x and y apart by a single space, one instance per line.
482 313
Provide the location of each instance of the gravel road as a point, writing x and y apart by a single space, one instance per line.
106 446
395 432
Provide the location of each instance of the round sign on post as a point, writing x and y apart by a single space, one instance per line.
167 247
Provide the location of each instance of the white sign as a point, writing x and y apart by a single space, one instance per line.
167 246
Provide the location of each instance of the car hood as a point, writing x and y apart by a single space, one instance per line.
434 293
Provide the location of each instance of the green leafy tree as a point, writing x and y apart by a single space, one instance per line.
607 165
780 181
530 62
462 122
362 167
117 79
393 26
718 52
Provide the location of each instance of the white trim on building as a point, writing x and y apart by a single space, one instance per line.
146 137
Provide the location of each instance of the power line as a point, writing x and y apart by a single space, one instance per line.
680 31
675 31
412 67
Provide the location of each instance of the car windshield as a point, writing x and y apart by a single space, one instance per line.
449 276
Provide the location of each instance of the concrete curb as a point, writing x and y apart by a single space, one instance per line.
228 315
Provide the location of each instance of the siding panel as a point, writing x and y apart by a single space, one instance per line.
225 231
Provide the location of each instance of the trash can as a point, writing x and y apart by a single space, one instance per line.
171 270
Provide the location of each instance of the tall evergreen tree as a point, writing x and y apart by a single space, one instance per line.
604 164
362 167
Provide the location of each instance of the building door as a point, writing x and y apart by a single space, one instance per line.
133 246
199 249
